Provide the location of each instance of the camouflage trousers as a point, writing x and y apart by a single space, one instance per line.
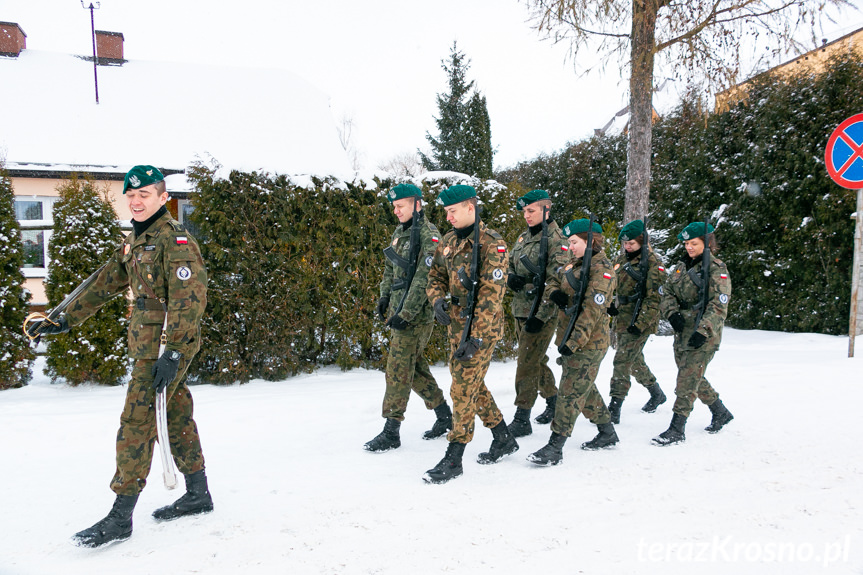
578 392
408 370
532 375
629 361
470 396
691 365
137 432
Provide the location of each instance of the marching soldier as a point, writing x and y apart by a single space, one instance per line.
636 311
405 308
537 253
162 265
470 265
583 291
696 309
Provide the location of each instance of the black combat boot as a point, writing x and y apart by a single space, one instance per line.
502 444
657 398
551 453
196 500
614 409
606 437
386 439
116 526
721 416
676 432
442 424
520 426
546 416
449 467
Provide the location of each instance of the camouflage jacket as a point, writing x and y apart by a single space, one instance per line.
528 245
164 262
680 294
627 288
416 309
454 253
591 330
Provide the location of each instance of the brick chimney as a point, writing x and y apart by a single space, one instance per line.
109 46
12 39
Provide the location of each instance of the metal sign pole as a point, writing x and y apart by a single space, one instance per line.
855 324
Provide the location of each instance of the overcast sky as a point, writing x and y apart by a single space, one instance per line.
379 60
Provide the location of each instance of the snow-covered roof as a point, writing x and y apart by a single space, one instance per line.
165 114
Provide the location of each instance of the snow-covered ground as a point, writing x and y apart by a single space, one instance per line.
780 490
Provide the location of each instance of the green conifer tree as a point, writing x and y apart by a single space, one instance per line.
16 356
85 234
463 143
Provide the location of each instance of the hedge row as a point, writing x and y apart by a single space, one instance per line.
294 270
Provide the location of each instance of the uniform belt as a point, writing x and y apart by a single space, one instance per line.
148 304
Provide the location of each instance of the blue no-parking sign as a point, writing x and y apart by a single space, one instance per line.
844 154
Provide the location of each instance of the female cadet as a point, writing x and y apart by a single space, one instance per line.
581 352
697 319
637 317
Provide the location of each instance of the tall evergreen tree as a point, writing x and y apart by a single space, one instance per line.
463 143
16 357
85 233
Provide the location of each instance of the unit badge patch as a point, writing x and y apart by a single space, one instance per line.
661 291
446 251
723 298
184 273
497 274
599 299
429 261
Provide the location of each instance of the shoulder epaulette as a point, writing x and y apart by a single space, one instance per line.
493 234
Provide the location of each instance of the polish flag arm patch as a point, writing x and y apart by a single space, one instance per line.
435 239
606 275
181 240
723 276
501 249
564 248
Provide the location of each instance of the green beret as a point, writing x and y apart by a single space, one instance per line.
455 194
694 230
531 197
141 176
404 191
580 227
631 230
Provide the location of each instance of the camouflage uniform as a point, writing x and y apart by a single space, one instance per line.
163 264
588 341
680 294
629 357
406 367
469 393
532 374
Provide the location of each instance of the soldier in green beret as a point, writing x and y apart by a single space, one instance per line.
636 317
582 352
697 328
405 308
537 253
477 284
161 264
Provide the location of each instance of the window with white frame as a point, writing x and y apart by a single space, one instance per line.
34 216
185 208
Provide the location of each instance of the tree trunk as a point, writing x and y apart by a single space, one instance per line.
639 150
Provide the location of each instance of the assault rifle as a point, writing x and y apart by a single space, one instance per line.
643 264
579 285
471 284
704 285
409 264
538 270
